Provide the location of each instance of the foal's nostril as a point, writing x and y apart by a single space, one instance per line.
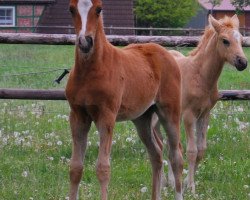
85 43
241 63
89 40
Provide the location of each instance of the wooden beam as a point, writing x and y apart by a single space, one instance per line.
69 39
30 94
227 95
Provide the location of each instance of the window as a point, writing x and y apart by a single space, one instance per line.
7 16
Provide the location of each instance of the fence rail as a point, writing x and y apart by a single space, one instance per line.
30 94
69 39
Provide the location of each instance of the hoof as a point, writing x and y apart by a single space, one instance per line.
189 186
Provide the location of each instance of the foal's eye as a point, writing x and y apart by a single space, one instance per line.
226 42
98 10
72 10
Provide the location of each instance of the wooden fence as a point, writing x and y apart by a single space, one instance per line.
69 39
111 29
28 94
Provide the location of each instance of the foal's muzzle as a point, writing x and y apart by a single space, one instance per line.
85 43
240 63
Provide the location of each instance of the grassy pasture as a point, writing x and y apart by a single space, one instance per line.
35 141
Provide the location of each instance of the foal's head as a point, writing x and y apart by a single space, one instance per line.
86 18
229 41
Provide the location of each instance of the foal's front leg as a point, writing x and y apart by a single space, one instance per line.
189 122
105 125
80 125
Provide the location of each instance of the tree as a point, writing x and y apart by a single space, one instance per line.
214 3
165 13
240 4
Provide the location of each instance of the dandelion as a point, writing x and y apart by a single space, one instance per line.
240 109
49 120
246 186
62 158
50 144
16 134
165 163
165 191
26 132
5 141
52 134
51 158
89 143
24 174
59 143
129 139
144 189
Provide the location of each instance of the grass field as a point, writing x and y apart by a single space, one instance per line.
35 141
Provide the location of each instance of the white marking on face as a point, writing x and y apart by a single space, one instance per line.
237 35
83 9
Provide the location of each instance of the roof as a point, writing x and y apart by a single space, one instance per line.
224 6
26 1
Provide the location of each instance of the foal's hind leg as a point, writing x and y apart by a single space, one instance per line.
154 148
80 125
201 133
169 116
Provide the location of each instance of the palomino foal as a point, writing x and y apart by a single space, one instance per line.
109 84
200 71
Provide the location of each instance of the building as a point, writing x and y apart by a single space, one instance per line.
21 15
52 16
225 8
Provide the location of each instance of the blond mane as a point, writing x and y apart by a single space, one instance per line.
226 23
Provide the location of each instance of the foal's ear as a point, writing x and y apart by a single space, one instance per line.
214 23
235 21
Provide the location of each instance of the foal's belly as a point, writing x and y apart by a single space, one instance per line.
131 112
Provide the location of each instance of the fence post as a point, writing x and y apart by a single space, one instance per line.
151 31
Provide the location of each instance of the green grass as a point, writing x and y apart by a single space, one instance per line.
35 141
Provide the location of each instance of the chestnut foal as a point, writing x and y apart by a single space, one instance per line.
108 84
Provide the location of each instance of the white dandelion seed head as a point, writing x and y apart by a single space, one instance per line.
24 174
144 189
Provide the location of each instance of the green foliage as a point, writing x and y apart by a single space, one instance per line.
240 4
215 2
164 13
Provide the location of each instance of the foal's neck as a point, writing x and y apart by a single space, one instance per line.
210 64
